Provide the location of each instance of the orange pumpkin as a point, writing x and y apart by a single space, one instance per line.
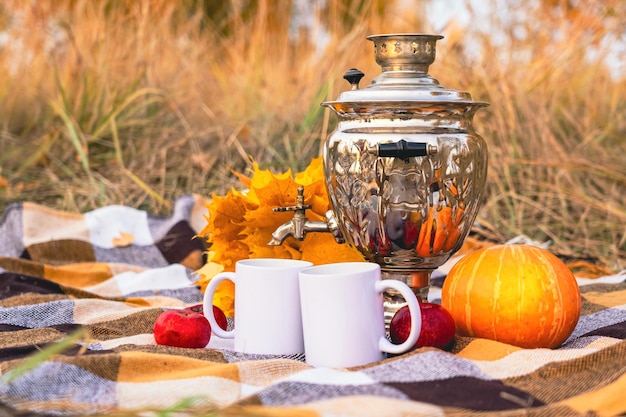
516 294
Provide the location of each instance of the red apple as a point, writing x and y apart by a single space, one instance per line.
182 328
381 245
411 233
219 315
437 326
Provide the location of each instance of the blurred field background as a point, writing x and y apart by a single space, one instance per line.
137 102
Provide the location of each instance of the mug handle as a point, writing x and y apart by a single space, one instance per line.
416 316
207 306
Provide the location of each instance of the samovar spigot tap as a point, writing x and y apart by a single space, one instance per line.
300 225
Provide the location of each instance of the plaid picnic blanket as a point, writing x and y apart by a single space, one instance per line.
88 288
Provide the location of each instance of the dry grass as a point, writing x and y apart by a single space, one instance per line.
138 102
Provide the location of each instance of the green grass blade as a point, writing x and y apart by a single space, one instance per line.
44 354
74 136
149 190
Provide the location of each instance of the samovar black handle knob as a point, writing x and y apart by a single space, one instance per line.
353 76
404 150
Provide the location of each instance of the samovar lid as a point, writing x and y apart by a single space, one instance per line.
404 59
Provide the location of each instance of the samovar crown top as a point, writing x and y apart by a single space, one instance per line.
404 59
405 51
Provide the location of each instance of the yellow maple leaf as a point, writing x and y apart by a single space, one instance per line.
125 239
272 190
223 296
321 248
314 172
225 216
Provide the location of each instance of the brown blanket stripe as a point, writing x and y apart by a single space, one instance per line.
81 274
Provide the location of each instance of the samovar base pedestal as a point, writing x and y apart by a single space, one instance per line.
418 281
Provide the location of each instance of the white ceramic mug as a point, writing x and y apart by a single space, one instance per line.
343 315
267 306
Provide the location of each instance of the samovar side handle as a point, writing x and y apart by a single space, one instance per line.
404 150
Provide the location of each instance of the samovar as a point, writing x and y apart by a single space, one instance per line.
404 169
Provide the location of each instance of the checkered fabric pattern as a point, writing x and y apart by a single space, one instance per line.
112 271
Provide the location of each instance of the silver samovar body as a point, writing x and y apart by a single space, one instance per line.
405 170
